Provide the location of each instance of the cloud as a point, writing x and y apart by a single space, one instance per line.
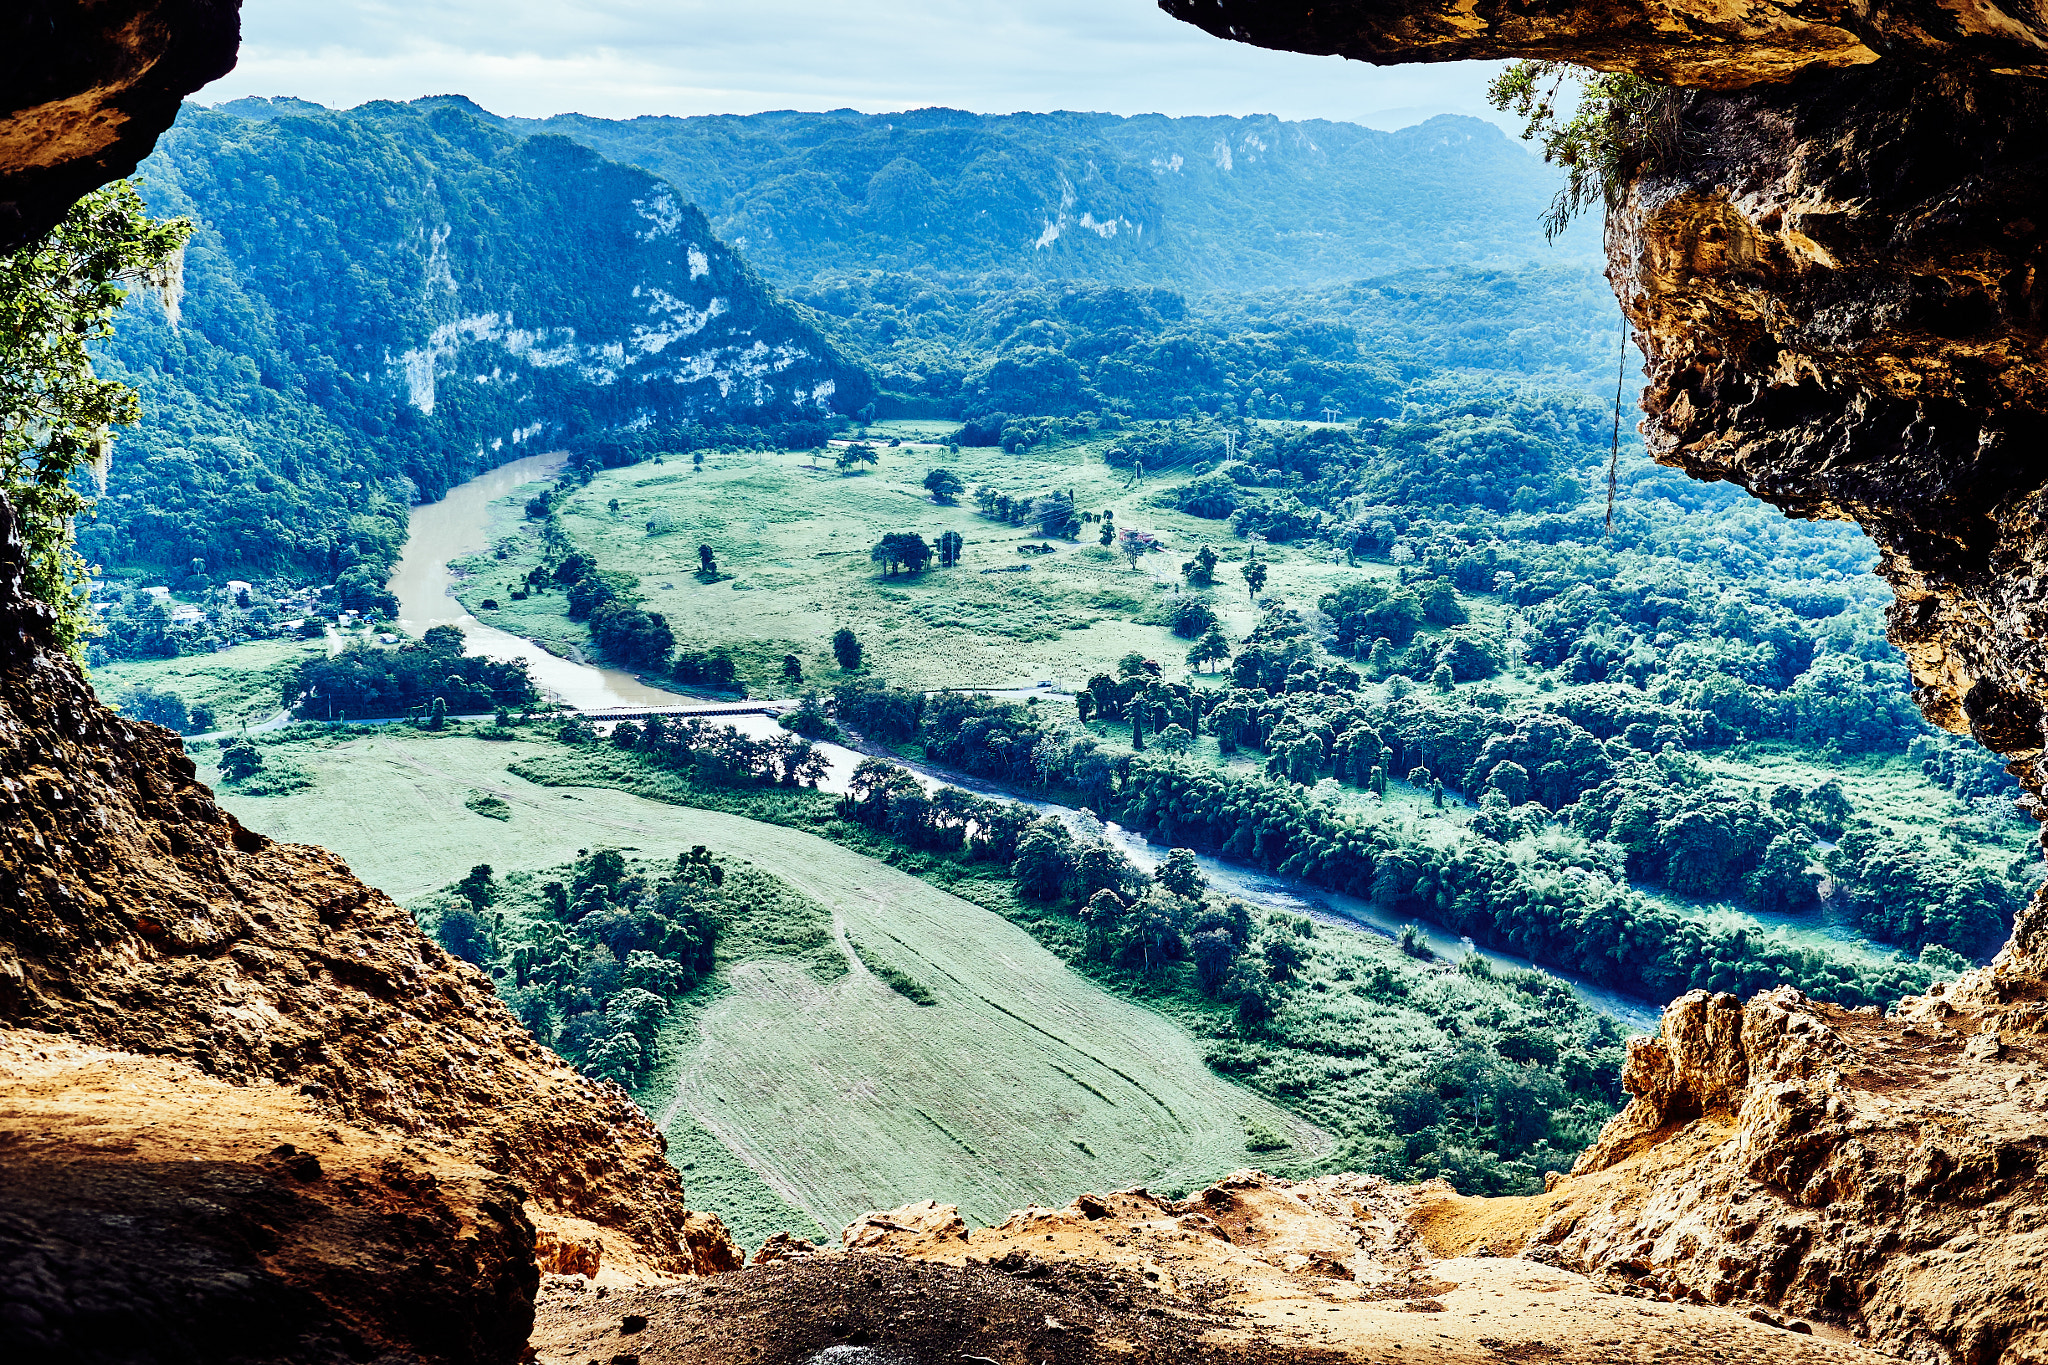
618 58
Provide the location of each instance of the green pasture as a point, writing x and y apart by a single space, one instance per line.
792 535
244 683
1024 1081
1887 789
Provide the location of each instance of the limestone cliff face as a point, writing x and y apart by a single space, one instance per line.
1683 42
1880 1174
1841 299
86 88
149 1212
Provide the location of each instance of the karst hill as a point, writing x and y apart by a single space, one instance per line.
251 1114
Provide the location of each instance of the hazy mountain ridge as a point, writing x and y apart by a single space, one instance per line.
1191 203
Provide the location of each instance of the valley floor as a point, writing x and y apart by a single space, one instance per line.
1024 1082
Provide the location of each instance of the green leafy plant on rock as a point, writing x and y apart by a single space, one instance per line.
58 295
1619 125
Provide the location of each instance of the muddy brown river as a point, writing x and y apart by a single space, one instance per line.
460 524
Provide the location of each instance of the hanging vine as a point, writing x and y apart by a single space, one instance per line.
1617 126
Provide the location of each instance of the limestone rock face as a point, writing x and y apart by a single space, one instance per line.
150 1212
918 1228
1879 1174
1251 1271
137 915
1840 298
1683 42
86 88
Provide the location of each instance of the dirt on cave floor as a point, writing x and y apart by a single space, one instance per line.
1251 1270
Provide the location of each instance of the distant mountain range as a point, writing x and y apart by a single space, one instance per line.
1189 203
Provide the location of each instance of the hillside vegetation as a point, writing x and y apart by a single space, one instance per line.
380 303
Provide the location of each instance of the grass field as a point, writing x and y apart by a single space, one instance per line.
247 682
795 541
1023 1081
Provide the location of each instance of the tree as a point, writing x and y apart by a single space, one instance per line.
239 759
478 888
1213 951
902 550
858 454
950 544
944 486
1283 954
1182 875
1137 727
1510 780
58 297
1134 544
696 462
792 670
1440 604
1175 739
846 649
1212 648
1103 917
1192 616
707 562
463 934
1045 857
1782 879
437 714
1254 571
1257 998
1200 572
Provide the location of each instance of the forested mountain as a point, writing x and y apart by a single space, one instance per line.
979 346
1189 203
1151 266
380 303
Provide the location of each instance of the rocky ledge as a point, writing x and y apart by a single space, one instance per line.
86 88
1252 1269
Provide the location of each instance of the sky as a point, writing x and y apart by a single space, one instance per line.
619 58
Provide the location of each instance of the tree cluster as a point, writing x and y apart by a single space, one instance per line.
366 681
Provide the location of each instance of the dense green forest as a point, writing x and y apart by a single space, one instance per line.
380 303
995 347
